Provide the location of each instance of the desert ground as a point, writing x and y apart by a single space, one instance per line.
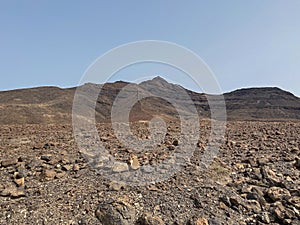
45 179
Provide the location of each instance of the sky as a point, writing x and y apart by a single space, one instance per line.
245 43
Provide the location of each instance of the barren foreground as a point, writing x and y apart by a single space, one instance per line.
254 180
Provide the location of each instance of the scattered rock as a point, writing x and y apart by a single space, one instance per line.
116 213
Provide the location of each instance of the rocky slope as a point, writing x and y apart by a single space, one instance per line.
54 105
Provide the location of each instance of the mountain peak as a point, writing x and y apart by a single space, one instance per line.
156 81
159 79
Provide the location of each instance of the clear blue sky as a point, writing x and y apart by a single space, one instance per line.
246 43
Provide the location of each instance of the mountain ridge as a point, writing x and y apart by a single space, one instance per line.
50 104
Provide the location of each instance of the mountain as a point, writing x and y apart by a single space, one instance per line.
269 103
54 105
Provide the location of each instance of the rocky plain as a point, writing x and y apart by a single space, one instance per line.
253 180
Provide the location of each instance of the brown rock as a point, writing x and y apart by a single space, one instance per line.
134 162
49 174
198 221
66 167
148 219
270 176
118 212
60 175
116 186
235 201
9 162
295 200
277 193
76 167
239 166
265 218
17 193
253 205
12 192
19 179
20 182
283 213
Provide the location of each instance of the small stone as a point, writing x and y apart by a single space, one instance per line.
175 142
6 192
12 192
60 175
134 162
46 158
226 201
152 188
9 162
223 206
239 166
20 174
201 221
265 218
76 167
49 174
295 201
262 161
117 212
119 167
279 213
148 219
116 186
20 182
17 193
82 221
270 176
214 221
235 201
171 147
297 163
277 193
253 205
65 161
104 139
66 167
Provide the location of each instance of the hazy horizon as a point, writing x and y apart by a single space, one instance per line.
170 81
